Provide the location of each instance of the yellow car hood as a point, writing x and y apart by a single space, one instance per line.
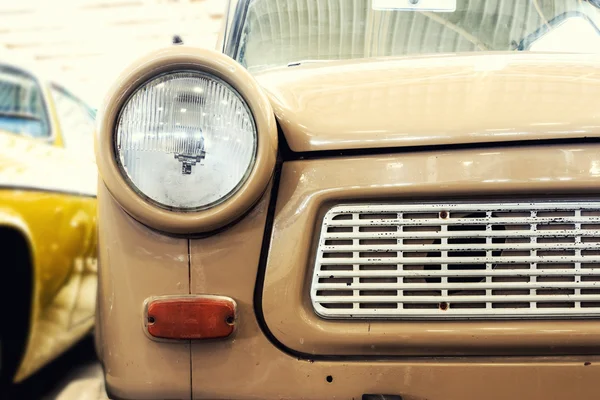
27 163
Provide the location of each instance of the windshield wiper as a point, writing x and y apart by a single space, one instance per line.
297 63
20 115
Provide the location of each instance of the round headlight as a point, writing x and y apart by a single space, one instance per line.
186 141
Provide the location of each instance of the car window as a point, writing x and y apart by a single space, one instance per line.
281 32
22 109
76 119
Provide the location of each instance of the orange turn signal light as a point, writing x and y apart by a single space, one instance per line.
190 317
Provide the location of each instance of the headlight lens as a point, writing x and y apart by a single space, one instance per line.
186 140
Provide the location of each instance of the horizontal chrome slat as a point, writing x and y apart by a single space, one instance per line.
462 234
464 221
462 207
459 286
458 247
462 313
459 260
451 273
461 299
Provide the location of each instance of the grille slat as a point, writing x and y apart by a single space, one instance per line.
463 221
456 260
466 247
459 286
482 272
436 235
461 299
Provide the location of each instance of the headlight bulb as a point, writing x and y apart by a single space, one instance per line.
194 155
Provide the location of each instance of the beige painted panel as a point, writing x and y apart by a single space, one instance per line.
400 102
136 263
249 366
308 187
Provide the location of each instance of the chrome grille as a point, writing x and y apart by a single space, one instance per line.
455 260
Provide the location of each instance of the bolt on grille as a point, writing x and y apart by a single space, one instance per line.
485 260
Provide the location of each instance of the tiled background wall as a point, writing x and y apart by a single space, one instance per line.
84 44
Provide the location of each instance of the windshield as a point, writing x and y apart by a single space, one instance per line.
21 105
280 32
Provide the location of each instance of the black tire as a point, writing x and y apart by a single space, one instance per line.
16 288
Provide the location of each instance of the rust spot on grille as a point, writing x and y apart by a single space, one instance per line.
443 306
443 214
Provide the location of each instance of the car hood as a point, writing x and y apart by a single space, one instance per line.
435 100
27 163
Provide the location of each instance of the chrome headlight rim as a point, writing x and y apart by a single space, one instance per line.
158 204
218 65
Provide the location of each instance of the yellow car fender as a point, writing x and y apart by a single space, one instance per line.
48 198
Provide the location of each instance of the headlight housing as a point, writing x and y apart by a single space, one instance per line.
187 140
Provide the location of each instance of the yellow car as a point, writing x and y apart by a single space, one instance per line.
47 221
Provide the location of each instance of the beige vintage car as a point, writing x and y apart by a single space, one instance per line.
368 199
